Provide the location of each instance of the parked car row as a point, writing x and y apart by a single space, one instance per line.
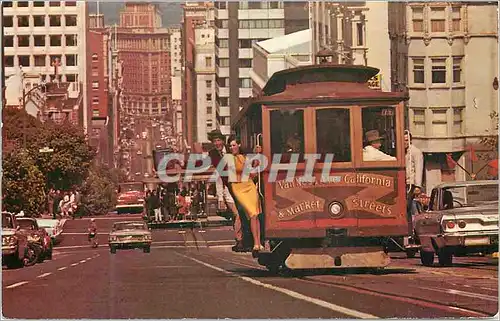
26 240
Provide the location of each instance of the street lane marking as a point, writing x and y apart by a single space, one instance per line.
74 264
44 275
83 261
89 258
293 294
159 242
62 268
15 285
463 293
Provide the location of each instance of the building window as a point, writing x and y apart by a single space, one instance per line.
23 41
418 71
419 121
55 3
455 19
39 21
222 23
39 41
245 43
95 112
54 59
208 62
38 3
439 122
439 71
55 21
457 69
245 83
9 61
209 84
70 3
8 21
360 34
95 57
9 41
22 4
95 71
223 81
55 40
225 121
221 5
70 20
71 60
7 4
40 60
71 78
23 21
209 97
71 40
223 62
209 110
438 21
223 101
95 100
24 61
245 63
95 84
223 43
457 120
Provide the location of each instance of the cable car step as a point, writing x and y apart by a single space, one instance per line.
339 257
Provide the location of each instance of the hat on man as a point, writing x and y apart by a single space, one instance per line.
216 133
373 135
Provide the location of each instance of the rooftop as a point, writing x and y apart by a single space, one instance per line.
281 43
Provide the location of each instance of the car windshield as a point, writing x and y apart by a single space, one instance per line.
47 223
26 224
473 195
129 226
131 188
7 221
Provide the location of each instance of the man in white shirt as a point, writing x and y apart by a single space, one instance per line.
372 152
414 162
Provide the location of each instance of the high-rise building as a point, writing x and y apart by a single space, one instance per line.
354 33
237 26
195 15
48 39
144 50
447 57
175 51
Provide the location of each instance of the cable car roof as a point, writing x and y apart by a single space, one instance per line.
319 84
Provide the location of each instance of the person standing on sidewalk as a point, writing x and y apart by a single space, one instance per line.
156 205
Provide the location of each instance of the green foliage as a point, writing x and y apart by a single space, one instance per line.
98 191
22 184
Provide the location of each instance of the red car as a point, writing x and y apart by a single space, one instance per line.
130 198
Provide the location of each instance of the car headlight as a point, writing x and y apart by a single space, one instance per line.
113 238
147 237
9 240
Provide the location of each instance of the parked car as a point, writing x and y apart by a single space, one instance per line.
462 219
37 235
15 250
53 228
130 235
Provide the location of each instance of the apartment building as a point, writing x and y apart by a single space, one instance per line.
451 53
355 33
47 38
237 26
205 81
175 51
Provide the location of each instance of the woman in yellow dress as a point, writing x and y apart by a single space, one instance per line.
246 193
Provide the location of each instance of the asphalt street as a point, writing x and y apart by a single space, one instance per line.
194 274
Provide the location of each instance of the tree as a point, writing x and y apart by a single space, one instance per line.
17 123
68 165
22 184
98 191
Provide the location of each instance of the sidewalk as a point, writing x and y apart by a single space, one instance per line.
49 217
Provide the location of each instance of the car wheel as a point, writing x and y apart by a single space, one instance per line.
112 250
147 249
427 258
411 253
445 257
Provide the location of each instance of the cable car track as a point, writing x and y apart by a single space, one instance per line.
396 297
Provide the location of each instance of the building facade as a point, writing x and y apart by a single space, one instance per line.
355 32
144 51
205 81
195 15
175 51
451 53
237 26
48 39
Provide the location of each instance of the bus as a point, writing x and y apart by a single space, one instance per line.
356 201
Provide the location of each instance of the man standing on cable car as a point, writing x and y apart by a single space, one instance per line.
224 197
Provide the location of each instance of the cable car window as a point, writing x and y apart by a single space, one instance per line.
333 134
379 133
287 133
